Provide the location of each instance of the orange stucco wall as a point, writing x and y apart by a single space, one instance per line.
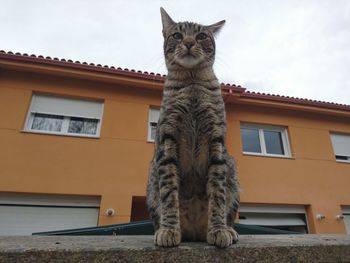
312 177
115 165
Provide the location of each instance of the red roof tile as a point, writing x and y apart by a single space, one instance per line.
78 64
281 98
158 77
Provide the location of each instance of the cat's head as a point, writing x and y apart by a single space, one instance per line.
188 45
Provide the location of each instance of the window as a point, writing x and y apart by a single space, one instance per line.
265 140
66 116
341 147
284 217
153 117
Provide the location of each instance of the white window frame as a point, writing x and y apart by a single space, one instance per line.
344 145
152 112
261 128
65 121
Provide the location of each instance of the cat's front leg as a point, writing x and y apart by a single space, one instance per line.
219 233
169 232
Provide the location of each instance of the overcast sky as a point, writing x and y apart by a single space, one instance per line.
293 47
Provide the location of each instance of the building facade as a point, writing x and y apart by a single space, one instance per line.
76 140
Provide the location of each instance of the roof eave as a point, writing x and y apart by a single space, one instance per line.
76 69
152 81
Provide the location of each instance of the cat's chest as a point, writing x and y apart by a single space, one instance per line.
199 105
196 115
194 134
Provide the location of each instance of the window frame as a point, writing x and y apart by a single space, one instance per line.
260 128
335 154
149 138
65 121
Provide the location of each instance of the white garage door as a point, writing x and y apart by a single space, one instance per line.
22 214
346 214
286 217
347 223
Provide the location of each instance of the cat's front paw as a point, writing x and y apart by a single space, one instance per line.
222 236
167 237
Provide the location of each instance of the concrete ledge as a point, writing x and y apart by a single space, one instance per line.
267 248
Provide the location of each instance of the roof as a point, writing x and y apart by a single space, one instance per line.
229 89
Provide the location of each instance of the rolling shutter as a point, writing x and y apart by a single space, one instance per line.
24 214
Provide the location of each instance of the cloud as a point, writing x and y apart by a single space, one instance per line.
295 48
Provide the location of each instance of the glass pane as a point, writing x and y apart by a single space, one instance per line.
274 143
82 125
153 130
343 158
47 122
250 139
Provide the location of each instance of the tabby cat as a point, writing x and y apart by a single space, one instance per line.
192 191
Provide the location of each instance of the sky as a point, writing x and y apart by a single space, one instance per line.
298 48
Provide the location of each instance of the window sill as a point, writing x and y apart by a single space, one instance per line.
62 134
268 155
342 161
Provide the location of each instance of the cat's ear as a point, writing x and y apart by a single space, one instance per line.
215 28
166 20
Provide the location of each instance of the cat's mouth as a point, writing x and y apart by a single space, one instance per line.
187 59
188 54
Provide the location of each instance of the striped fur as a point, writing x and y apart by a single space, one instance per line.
192 192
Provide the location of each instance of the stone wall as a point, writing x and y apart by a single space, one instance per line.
267 248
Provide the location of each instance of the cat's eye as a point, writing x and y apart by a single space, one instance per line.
201 36
177 36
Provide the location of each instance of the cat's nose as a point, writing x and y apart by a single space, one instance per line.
189 45
188 42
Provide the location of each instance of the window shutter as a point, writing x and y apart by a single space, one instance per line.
66 106
273 219
341 144
272 215
153 115
285 209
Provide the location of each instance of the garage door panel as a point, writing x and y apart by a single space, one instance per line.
24 220
347 223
